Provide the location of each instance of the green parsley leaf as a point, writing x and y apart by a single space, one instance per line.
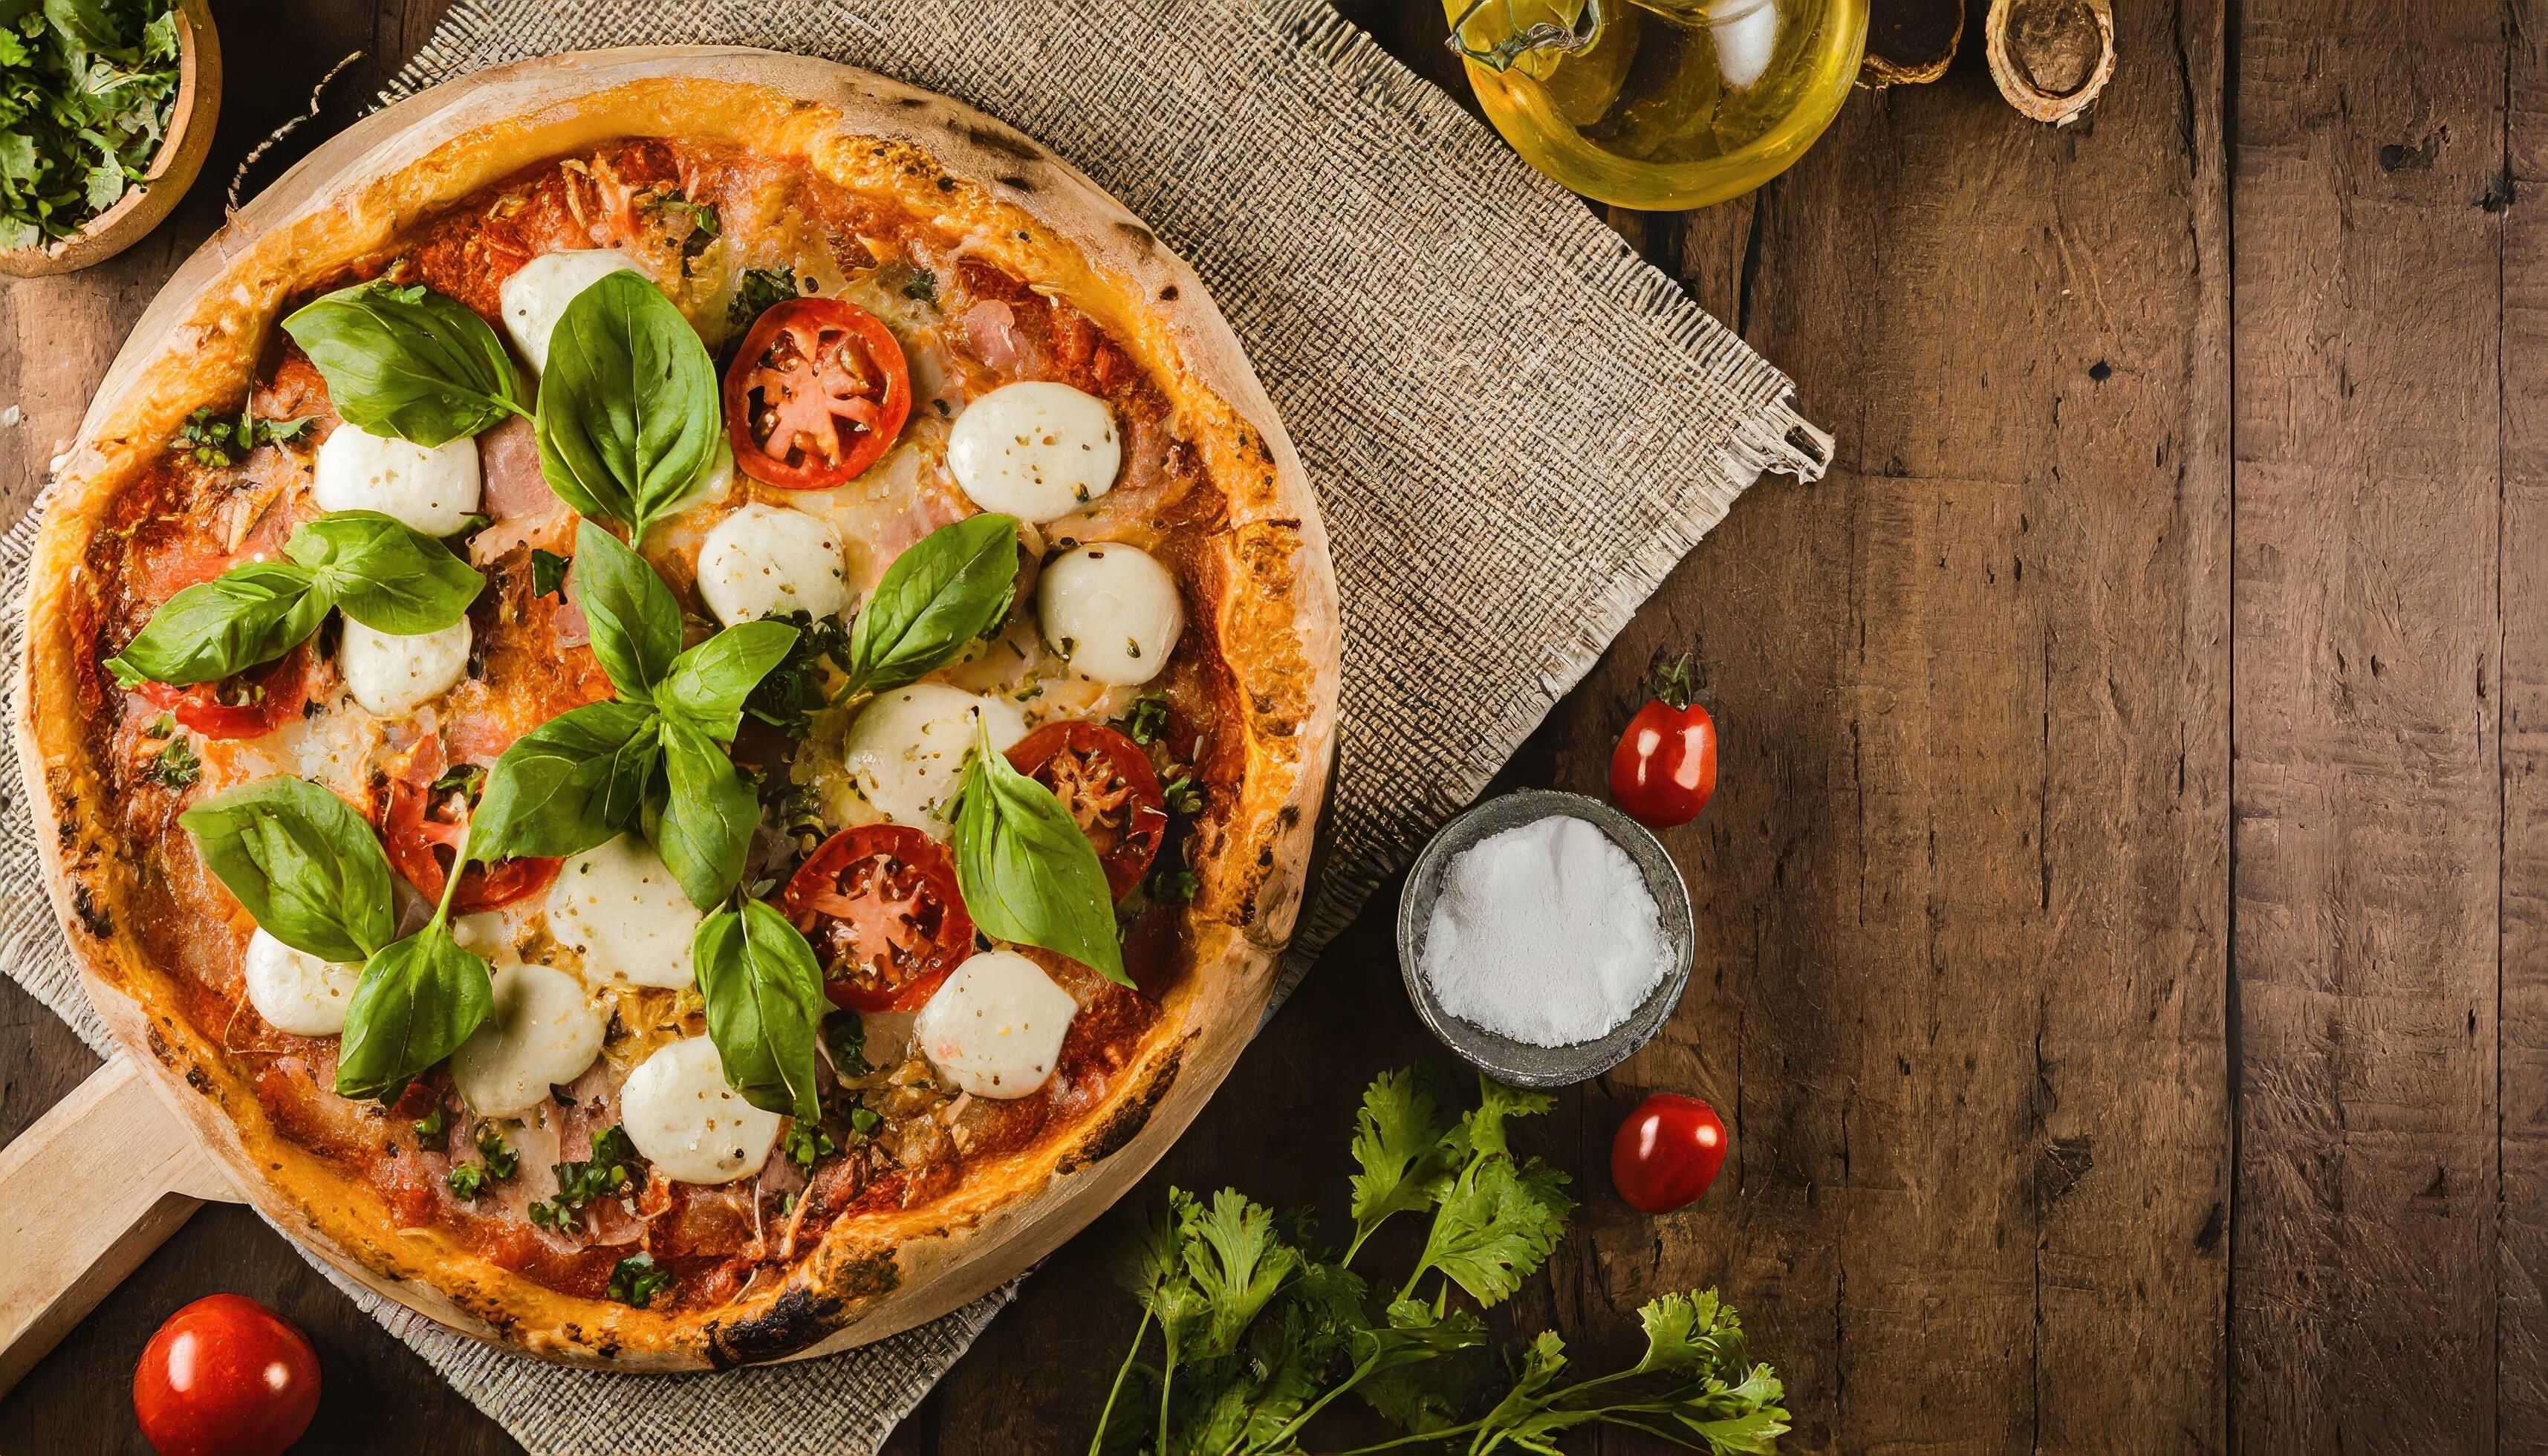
466 1181
501 1160
1398 1144
844 1035
637 1279
434 1127
1147 719
175 766
757 292
548 572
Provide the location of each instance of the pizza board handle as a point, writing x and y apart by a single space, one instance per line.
85 1195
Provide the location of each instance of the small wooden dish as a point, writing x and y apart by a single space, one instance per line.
191 120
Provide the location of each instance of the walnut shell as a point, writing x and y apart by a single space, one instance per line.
1911 42
2050 57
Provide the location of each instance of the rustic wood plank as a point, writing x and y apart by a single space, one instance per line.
2367 809
1966 881
2521 1317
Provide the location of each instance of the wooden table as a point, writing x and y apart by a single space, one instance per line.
2125 913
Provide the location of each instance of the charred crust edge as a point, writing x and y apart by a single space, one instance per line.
1126 1121
798 1319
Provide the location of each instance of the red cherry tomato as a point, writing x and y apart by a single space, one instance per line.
815 395
1664 768
1666 1152
880 904
225 1376
249 704
1109 788
424 830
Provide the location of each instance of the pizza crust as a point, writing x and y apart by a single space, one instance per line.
1275 614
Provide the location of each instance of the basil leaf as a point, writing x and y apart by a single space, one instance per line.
384 574
636 620
705 825
937 596
708 683
573 783
628 412
765 1000
1027 872
409 362
250 614
304 863
418 1001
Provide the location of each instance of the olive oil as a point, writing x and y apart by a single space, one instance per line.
1661 104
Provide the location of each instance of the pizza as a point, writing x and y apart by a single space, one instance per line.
680 698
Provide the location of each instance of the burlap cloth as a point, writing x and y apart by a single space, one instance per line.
1515 428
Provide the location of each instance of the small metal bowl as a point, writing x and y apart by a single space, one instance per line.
1518 1062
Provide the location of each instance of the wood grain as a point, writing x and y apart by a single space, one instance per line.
2007 956
2367 820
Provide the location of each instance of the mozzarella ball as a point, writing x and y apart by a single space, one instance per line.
994 1028
906 751
1036 450
296 991
393 676
764 560
623 912
543 1029
686 1122
431 489
1110 610
537 296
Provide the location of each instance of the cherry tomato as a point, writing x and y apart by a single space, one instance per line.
1664 768
815 395
225 1376
881 905
1666 1152
1109 788
249 704
424 829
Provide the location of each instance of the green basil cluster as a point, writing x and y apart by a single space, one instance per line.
1027 873
312 874
403 360
385 574
653 758
629 416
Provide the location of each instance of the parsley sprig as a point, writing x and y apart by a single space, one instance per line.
1258 1333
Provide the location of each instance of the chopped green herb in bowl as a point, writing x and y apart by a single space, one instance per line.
106 112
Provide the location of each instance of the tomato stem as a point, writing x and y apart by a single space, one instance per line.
1670 684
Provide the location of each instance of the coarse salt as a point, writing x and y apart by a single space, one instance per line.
1545 933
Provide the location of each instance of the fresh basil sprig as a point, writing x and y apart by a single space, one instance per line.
310 872
304 863
1027 872
628 411
653 758
951 588
764 992
384 576
406 361
418 1001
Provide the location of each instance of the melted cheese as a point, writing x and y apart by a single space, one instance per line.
544 1030
393 676
905 753
537 296
430 489
625 913
1036 450
994 1028
1110 610
763 561
686 1122
296 991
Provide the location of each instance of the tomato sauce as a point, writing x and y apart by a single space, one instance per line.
185 522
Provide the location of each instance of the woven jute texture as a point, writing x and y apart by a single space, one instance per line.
1514 425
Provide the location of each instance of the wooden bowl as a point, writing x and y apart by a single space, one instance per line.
190 119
